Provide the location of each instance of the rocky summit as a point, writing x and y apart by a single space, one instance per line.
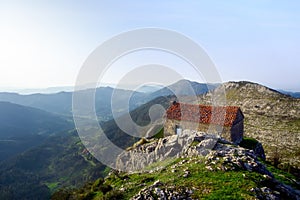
188 144
271 117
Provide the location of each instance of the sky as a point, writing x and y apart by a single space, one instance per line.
45 43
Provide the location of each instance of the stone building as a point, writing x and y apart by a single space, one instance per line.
226 121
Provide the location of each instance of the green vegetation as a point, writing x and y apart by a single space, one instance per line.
52 186
283 176
61 161
204 183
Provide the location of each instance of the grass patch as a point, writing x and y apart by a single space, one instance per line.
52 186
204 183
194 143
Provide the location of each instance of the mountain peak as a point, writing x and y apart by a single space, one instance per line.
246 89
247 85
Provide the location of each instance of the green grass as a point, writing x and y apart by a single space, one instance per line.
162 164
52 186
194 143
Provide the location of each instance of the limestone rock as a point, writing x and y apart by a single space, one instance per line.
141 156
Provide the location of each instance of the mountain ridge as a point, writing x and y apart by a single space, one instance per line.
23 127
61 103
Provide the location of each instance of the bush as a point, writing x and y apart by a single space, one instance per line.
105 188
89 196
249 143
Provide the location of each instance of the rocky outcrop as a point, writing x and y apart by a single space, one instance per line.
158 150
259 151
275 190
189 144
222 156
160 192
228 158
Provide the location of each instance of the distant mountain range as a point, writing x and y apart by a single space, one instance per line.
25 120
149 88
61 103
292 94
48 90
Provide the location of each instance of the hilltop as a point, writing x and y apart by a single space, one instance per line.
197 172
270 117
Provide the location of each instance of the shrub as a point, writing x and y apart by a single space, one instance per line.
105 188
249 143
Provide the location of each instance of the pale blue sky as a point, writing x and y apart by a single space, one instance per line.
44 43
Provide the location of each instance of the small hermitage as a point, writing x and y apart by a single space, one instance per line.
227 121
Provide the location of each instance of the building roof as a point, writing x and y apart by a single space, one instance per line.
222 115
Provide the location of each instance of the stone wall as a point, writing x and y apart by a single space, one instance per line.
170 128
237 132
237 129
